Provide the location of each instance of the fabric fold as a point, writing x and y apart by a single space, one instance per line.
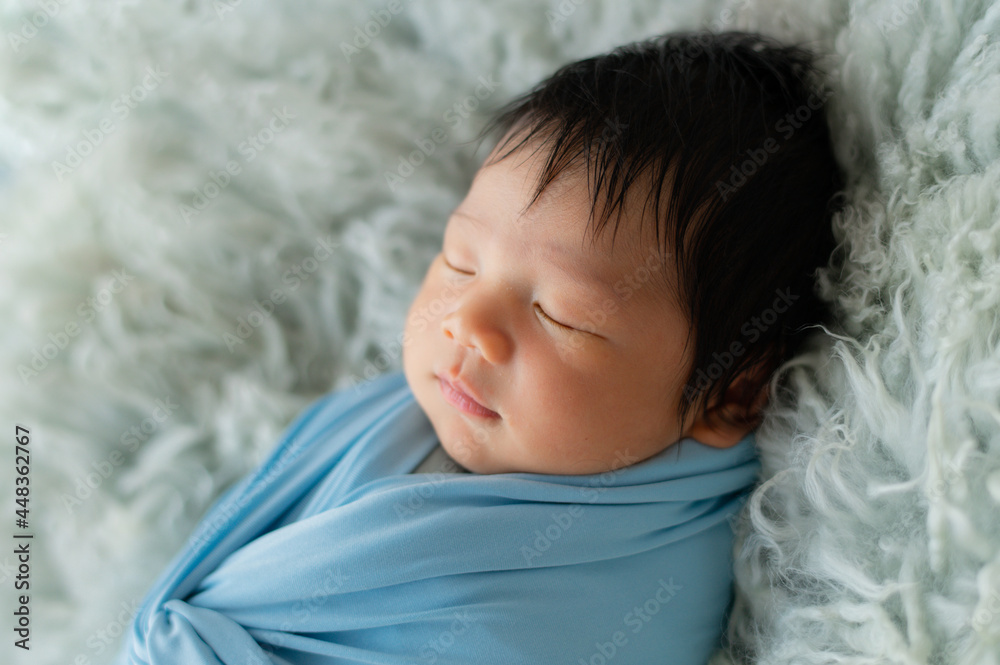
334 552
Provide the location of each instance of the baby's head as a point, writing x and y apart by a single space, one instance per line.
708 159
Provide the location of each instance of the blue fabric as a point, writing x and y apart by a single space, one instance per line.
333 552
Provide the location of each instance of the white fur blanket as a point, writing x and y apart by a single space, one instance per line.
198 236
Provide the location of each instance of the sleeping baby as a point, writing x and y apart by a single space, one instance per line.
552 476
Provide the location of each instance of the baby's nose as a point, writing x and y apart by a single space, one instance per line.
473 328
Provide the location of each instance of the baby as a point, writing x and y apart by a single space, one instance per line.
553 363
535 346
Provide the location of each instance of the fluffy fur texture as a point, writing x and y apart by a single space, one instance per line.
873 537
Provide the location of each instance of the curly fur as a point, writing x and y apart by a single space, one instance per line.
873 536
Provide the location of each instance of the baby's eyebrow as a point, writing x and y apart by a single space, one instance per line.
475 220
584 278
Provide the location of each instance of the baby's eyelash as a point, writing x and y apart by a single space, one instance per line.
561 325
537 306
464 272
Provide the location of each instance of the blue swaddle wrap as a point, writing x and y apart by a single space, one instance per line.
333 552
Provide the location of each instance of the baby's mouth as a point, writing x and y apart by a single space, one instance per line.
464 402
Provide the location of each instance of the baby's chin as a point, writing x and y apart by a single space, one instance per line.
477 451
463 447
482 459
471 456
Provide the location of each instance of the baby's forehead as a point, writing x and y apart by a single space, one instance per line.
618 241
622 237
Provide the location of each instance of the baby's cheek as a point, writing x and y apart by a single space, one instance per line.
422 313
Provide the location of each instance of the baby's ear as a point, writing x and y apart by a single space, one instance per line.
726 422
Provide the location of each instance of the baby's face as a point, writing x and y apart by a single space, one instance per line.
576 353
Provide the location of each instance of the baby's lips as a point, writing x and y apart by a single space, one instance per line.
456 393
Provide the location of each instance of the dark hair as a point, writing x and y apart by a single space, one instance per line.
730 128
